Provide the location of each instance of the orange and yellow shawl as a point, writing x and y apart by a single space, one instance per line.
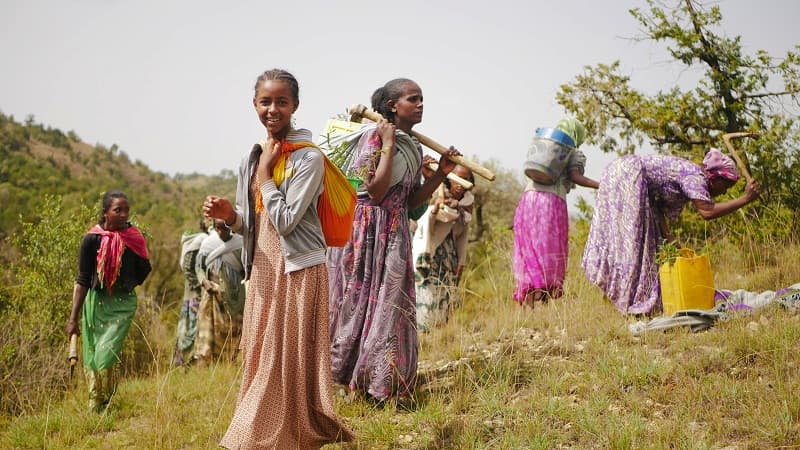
337 203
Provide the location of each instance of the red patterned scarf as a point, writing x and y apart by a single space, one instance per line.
112 246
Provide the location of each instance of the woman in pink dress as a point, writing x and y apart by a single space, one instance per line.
541 224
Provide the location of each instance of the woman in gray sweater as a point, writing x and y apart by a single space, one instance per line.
286 395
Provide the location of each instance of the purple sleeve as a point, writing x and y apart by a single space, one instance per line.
695 186
368 145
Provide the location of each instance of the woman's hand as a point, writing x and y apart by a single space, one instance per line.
427 172
219 208
445 164
386 132
436 206
73 328
269 157
752 190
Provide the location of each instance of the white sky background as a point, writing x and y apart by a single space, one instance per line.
171 83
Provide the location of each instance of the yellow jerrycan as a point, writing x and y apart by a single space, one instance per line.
686 283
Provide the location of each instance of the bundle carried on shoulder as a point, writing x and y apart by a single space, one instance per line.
337 203
337 206
548 155
339 142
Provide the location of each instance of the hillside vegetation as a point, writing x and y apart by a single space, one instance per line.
567 375
50 187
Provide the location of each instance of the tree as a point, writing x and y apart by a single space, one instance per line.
494 203
736 92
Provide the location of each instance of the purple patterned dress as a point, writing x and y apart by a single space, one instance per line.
372 299
620 251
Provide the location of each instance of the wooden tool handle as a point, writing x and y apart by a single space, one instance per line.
363 111
453 177
73 349
739 161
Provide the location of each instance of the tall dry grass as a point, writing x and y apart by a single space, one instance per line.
568 374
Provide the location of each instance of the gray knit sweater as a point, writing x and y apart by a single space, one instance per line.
291 207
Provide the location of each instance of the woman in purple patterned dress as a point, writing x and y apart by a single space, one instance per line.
372 298
636 197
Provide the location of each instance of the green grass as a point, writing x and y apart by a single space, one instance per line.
565 375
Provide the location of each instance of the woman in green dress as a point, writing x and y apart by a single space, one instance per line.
112 262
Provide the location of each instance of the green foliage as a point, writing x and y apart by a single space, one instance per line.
495 202
50 136
736 92
37 304
47 179
45 277
667 253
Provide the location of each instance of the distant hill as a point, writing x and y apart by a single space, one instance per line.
38 160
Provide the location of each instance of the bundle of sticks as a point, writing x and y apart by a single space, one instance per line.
358 112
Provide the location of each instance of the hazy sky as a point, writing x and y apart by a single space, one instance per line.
171 82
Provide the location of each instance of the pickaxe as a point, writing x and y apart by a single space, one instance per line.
357 112
739 161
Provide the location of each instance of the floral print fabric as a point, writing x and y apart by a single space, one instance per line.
619 256
372 302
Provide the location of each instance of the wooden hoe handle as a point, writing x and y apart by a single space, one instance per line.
357 111
739 161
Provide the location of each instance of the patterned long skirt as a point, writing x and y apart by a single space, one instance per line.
619 256
186 332
436 284
218 330
286 396
373 308
106 322
541 244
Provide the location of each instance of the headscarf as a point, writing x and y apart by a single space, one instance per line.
719 165
112 246
574 128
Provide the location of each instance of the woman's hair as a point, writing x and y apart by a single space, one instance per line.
108 199
392 90
282 75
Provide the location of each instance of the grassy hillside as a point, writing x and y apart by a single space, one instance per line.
50 187
36 160
566 375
